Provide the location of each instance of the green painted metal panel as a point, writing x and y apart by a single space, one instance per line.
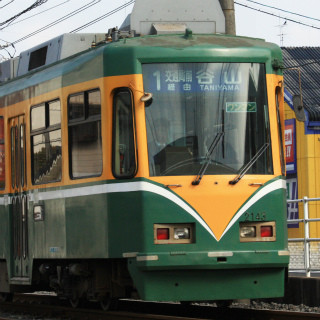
5 231
197 285
200 48
86 222
121 222
125 57
106 220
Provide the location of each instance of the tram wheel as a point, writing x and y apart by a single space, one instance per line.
75 302
107 303
223 303
6 296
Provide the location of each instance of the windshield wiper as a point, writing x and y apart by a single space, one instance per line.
249 164
204 167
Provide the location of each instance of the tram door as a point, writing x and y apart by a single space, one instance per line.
19 214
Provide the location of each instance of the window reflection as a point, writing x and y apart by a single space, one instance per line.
76 106
85 140
124 157
94 101
46 142
86 150
54 113
38 119
47 157
192 103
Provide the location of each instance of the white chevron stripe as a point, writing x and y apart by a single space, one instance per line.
123 187
278 184
148 187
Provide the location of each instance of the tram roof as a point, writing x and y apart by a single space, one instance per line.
112 59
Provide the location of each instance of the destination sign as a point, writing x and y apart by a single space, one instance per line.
195 77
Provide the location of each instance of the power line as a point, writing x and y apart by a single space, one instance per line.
6 4
69 15
33 6
274 15
102 17
294 13
58 5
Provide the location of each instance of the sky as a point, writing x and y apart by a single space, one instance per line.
56 17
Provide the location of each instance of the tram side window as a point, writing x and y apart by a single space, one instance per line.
46 142
85 142
124 153
2 158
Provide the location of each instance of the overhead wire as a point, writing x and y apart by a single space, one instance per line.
33 6
69 15
293 13
275 15
121 8
286 11
88 24
6 4
94 2
37 14
9 54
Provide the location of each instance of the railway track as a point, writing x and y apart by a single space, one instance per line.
32 307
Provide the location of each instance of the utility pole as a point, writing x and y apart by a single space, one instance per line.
281 35
229 13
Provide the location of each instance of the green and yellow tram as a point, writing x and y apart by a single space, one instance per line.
149 165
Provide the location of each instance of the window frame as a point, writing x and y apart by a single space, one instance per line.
22 152
3 160
85 119
13 156
278 94
132 175
47 129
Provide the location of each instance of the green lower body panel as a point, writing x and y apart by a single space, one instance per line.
197 285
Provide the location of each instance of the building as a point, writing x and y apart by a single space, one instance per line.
302 140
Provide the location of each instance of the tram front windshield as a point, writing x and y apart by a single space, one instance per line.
212 115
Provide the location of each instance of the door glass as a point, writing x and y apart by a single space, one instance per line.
124 154
22 155
13 166
2 155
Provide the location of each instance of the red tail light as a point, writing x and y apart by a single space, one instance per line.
163 234
266 231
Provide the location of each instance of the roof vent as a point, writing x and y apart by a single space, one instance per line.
167 16
56 49
8 69
38 58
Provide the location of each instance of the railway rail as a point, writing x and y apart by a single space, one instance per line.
48 307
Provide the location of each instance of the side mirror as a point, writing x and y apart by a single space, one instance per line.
298 107
147 98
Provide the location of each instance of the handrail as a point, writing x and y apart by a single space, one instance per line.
306 240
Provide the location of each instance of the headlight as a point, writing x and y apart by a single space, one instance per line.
257 231
247 232
181 233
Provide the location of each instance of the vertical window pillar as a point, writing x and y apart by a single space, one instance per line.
280 128
124 163
2 155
